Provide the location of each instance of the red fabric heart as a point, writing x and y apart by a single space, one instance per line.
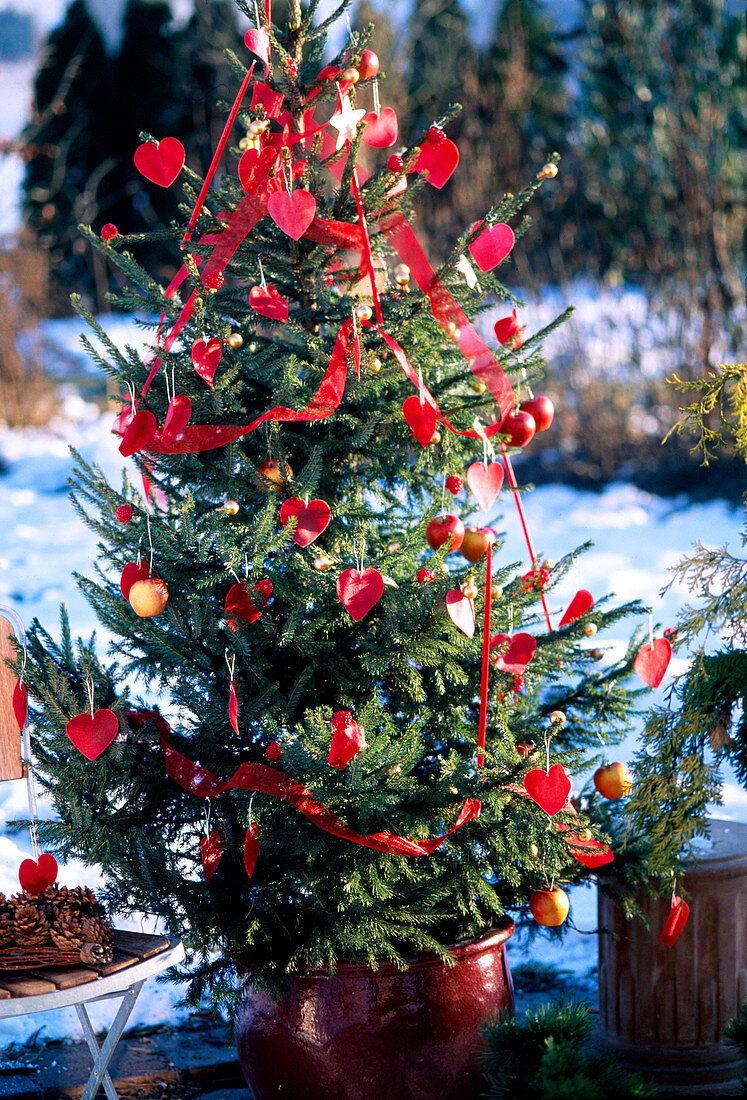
91 735
675 922
485 482
251 849
35 876
20 703
160 163
582 602
461 611
233 708
592 853
549 790
421 417
360 591
347 740
133 572
268 302
512 654
493 245
381 130
211 850
293 213
254 167
257 41
206 355
240 605
652 661
141 431
177 417
312 518
439 161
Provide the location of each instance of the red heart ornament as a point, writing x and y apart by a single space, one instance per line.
133 571
257 41
549 790
359 591
381 130
461 611
268 302
160 163
35 876
177 417
20 703
514 654
493 245
652 661
582 602
240 605
438 161
421 417
485 482
251 849
92 734
347 739
293 213
211 850
254 167
592 853
140 432
312 518
206 355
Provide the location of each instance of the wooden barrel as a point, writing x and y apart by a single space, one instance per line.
663 1010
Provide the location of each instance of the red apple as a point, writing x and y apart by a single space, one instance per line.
549 907
273 472
474 544
441 529
613 781
519 427
541 409
148 597
368 66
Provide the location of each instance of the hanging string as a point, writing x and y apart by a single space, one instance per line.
90 693
150 542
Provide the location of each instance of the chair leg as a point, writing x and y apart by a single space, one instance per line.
103 1055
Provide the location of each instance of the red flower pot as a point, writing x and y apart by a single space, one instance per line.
386 1034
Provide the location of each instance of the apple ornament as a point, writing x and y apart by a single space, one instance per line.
613 781
549 907
541 409
475 542
445 530
148 597
273 472
518 428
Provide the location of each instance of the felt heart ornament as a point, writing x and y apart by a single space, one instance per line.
485 482
257 41
240 605
20 703
381 130
293 213
421 417
268 302
513 654
211 850
133 571
233 708
177 417
206 355
311 519
582 602
592 853
254 167
160 163
461 610
359 591
347 739
675 922
438 161
93 733
251 849
36 875
492 246
141 431
549 790
652 661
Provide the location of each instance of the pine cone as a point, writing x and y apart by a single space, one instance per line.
30 927
7 929
67 932
86 901
56 900
96 930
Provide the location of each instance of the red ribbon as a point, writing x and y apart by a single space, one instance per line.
263 780
485 671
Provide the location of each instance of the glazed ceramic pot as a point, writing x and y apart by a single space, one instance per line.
386 1034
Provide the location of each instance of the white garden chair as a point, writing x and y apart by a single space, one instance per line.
137 956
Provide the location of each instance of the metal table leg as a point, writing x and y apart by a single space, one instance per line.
103 1055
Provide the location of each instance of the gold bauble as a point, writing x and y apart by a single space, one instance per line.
496 592
351 76
364 313
549 172
323 563
590 630
235 340
231 507
478 387
557 718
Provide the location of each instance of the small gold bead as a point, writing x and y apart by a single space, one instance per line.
549 172
396 770
351 76
470 589
375 366
393 546
496 592
246 143
231 507
597 654
590 630
323 563
547 564
364 313
402 274
584 834
436 437
235 340
453 790
557 718
479 387
258 126
533 851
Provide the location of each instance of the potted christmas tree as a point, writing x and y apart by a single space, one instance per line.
332 745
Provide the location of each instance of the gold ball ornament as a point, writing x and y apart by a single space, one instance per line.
402 275
246 143
259 126
364 313
323 563
351 76
597 654
470 589
533 851
393 546
496 592
557 718
436 437
549 172
590 630
375 366
231 507
395 770
546 563
478 387
148 597
235 340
